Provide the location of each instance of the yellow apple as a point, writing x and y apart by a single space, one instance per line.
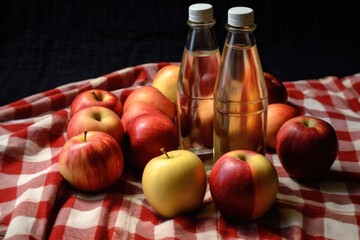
166 81
174 183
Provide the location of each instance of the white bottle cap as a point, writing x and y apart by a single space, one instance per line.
200 12
240 16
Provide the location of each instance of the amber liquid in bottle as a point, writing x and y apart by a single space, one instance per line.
195 89
195 101
240 103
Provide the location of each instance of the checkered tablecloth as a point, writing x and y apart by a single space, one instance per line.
36 203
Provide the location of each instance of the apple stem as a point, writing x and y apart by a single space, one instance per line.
96 97
85 133
163 150
308 123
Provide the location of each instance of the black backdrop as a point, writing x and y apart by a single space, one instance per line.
45 44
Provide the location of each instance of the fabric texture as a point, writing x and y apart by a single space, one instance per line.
37 203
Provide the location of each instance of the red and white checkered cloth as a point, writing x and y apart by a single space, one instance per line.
36 203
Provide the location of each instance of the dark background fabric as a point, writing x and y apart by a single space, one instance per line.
45 44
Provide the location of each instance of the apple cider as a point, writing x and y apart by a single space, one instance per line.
195 88
239 131
195 101
240 94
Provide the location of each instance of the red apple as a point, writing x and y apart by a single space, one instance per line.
243 184
166 81
307 147
152 95
174 183
91 161
96 97
146 135
277 92
137 108
278 114
96 118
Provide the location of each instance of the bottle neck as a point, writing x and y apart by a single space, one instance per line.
209 24
201 37
243 36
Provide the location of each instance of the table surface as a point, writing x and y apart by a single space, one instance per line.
36 203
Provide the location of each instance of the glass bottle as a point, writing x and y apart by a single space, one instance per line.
240 95
197 76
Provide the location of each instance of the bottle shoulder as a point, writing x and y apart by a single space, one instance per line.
202 40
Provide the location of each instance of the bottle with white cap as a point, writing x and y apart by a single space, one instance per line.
240 95
198 71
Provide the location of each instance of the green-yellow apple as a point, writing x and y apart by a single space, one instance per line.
152 95
307 147
96 97
243 184
96 118
91 161
137 108
277 92
166 81
174 183
146 135
278 114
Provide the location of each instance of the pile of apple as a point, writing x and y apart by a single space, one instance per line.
103 132
148 118
105 135
92 158
307 146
